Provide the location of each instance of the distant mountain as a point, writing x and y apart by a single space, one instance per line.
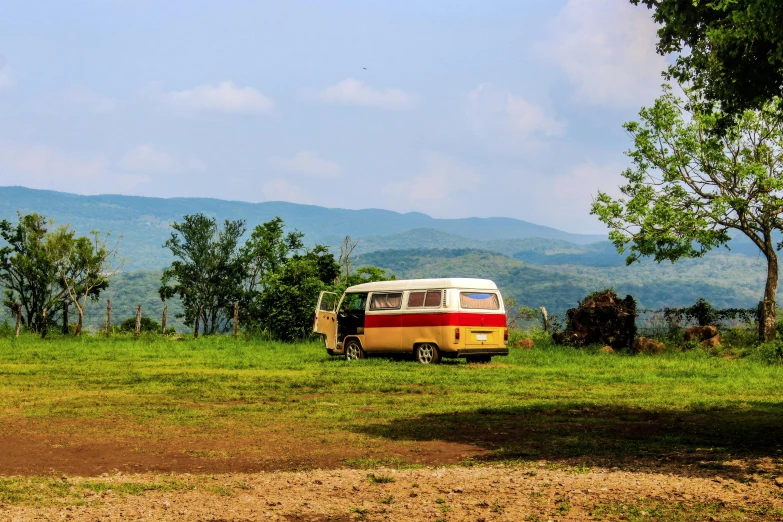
144 222
532 250
724 280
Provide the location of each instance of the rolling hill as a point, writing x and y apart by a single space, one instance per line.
533 264
144 223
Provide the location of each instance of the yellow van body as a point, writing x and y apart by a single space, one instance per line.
430 318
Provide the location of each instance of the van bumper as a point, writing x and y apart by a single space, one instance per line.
476 351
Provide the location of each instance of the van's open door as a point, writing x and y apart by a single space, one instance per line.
326 318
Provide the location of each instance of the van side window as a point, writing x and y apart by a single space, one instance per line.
479 301
386 301
433 298
430 298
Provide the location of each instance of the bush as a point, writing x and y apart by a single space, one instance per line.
147 325
770 352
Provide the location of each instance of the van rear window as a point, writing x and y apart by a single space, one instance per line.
479 301
386 301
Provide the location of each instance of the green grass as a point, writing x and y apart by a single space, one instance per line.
45 490
550 402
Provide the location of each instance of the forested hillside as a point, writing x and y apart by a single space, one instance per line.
554 270
144 223
724 280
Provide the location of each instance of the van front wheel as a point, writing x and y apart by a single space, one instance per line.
353 350
427 353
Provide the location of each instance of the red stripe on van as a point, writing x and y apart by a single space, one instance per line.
449 319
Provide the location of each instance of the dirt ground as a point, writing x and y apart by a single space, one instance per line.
491 493
237 478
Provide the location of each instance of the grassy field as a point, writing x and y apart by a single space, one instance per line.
550 402
89 406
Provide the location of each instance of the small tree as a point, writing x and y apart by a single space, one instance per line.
290 295
690 185
263 255
344 260
84 265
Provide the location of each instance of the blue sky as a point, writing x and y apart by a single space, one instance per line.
464 109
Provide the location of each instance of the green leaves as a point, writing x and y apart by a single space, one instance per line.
735 49
209 270
690 184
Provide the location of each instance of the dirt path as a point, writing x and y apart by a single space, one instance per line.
491 493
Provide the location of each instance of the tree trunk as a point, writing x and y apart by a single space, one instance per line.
195 327
79 324
138 321
18 319
65 318
163 321
43 325
767 316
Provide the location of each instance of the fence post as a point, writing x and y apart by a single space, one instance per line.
544 319
236 318
18 314
163 321
108 318
138 321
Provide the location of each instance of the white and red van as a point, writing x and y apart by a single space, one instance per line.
430 318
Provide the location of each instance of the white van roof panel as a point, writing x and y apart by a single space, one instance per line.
424 284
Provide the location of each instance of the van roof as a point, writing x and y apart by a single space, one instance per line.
424 284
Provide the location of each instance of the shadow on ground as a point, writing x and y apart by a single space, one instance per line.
705 438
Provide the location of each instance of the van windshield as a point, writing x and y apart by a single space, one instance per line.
354 302
479 301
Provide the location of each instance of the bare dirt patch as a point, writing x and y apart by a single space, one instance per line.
491 493
87 448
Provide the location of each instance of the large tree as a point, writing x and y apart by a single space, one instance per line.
732 49
690 185
208 270
27 271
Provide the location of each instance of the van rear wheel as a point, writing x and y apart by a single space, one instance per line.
427 353
353 350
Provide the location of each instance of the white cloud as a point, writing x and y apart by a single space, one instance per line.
145 158
607 50
308 163
40 166
95 102
354 92
510 124
280 189
223 97
433 190
529 118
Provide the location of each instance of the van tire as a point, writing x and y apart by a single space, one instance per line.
426 353
353 350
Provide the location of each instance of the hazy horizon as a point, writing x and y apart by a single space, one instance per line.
509 109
